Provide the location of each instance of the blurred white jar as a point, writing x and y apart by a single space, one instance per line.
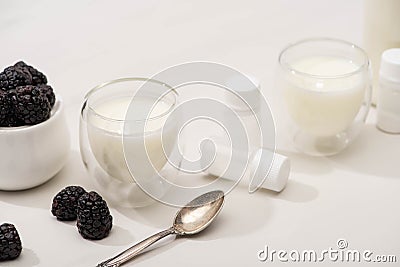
381 32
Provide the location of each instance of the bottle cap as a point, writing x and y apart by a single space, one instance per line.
278 175
390 65
248 88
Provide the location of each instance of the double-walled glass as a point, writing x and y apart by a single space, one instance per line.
326 89
103 133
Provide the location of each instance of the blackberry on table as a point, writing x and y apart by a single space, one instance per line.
94 218
65 203
31 106
37 76
10 242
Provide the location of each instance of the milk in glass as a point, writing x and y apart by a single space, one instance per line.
320 103
106 129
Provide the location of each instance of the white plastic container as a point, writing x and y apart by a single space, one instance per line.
389 92
259 171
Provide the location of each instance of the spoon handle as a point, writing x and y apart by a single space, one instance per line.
135 249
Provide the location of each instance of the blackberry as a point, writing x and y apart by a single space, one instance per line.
31 106
37 76
13 76
65 203
25 99
47 90
7 113
94 219
10 243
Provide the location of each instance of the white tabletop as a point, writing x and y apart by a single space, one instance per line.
78 44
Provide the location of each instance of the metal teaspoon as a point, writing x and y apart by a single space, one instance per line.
191 219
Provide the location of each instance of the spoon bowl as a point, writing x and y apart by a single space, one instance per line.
198 213
191 219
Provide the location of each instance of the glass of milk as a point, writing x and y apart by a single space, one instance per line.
327 90
102 136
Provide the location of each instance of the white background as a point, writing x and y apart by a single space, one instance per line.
79 44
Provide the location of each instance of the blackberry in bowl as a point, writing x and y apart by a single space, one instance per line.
33 134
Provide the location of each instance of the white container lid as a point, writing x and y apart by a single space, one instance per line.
278 174
390 65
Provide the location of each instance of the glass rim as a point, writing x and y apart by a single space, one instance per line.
129 79
286 66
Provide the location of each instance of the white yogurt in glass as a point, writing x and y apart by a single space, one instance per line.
320 102
326 87
106 129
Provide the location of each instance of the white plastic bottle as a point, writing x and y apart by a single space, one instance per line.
389 92
272 175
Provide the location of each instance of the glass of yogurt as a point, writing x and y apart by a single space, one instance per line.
102 136
327 91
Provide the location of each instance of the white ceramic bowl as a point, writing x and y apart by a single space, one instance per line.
32 155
